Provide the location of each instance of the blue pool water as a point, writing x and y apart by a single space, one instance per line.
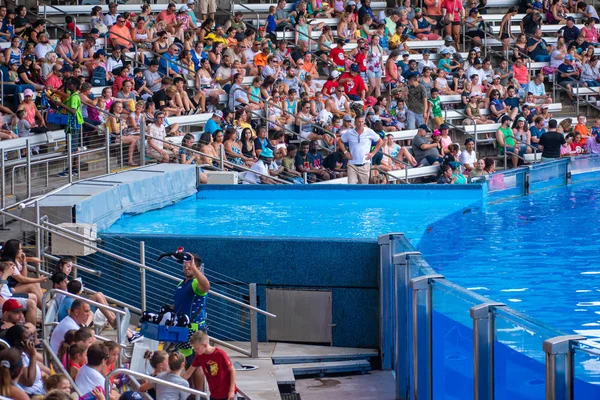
539 254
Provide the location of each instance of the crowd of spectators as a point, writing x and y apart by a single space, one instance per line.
155 67
83 357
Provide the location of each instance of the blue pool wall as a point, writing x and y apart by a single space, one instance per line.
347 267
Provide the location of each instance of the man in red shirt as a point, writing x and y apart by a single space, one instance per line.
337 54
361 60
216 366
354 86
331 83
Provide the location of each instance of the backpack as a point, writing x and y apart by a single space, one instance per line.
99 76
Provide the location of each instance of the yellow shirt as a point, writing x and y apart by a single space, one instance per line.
216 39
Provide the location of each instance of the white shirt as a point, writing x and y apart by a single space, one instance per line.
41 50
466 158
38 384
110 20
590 9
422 64
259 167
452 49
88 378
111 64
156 132
474 71
325 116
359 145
58 335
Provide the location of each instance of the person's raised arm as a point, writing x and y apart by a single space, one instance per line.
203 283
231 393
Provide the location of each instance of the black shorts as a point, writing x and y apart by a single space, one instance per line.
504 36
455 23
321 52
478 33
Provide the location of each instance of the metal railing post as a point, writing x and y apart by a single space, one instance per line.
386 300
143 275
143 140
119 337
107 144
121 142
401 295
221 157
577 97
69 157
305 177
483 350
75 28
422 309
38 237
253 322
559 366
3 168
28 177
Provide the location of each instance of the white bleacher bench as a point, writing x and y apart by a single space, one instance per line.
586 91
489 128
34 140
546 29
451 115
264 7
420 172
87 9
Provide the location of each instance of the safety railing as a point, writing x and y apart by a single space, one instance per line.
58 365
223 163
121 371
440 338
144 269
517 153
119 314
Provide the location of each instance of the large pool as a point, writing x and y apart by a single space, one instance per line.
539 254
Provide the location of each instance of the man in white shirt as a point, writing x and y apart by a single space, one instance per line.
448 45
90 375
426 62
262 166
110 18
43 47
359 154
158 149
475 69
79 314
467 157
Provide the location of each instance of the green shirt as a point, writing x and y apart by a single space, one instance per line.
509 139
436 106
74 101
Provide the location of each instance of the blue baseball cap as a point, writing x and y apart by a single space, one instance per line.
569 57
425 128
354 67
268 153
131 396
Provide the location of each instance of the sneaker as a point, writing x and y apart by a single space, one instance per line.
63 174
136 337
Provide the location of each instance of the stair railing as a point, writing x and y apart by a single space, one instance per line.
253 310
121 371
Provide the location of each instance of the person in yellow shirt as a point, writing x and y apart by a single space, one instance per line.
217 36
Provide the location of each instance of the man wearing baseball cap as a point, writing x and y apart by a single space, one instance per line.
259 171
337 54
568 76
355 143
426 153
353 84
569 31
13 314
505 140
214 123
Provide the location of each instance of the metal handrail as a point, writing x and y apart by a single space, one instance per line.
148 378
226 163
125 260
56 361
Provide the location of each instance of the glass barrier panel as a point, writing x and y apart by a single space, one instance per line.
548 175
519 359
501 185
419 267
452 345
583 164
587 372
